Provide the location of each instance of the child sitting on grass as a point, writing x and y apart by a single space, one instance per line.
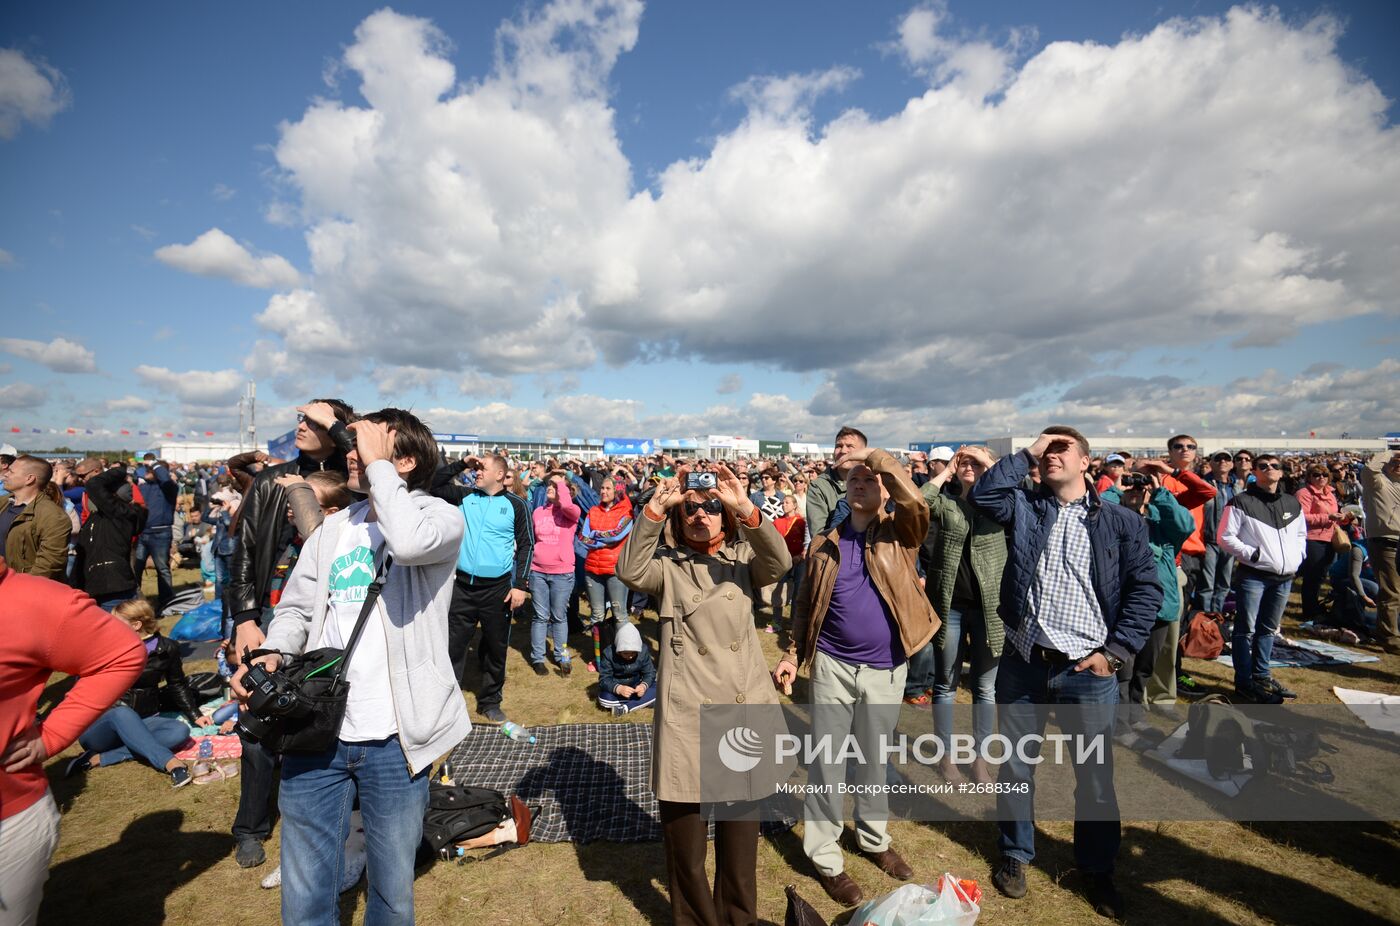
626 673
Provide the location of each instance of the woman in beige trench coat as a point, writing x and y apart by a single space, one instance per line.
704 587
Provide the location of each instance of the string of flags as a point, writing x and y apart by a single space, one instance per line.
108 432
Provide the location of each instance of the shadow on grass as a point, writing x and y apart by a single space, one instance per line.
65 790
580 808
1362 847
55 693
152 859
1150 857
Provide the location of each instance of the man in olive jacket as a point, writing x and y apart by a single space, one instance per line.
34 529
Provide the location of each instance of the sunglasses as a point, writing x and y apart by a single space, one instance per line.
1179 446
302 418
709 506
1277 466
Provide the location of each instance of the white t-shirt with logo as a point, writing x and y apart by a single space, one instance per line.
369 711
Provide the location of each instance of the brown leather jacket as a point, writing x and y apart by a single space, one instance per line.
891 549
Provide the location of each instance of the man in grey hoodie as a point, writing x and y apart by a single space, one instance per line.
404 708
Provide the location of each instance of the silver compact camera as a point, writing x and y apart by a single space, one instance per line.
699 481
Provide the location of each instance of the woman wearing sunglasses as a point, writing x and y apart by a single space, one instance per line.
704 589
1322 511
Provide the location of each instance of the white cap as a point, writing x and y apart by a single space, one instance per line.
1114 458
628 639
943 453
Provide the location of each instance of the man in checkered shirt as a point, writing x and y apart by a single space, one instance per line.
1079 596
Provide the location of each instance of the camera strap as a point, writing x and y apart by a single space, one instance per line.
371 596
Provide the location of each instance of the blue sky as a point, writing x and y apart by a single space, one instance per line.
731 243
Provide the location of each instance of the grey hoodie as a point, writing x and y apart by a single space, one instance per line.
423 534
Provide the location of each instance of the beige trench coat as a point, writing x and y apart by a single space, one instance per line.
710 651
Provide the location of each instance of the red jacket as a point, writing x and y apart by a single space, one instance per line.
603 560
1191 492
794 531
47 627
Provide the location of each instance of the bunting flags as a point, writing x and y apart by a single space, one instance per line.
195 433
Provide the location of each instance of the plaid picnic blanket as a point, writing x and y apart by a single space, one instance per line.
590 781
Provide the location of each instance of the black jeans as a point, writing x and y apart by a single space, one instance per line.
483 603
257 779
1315 565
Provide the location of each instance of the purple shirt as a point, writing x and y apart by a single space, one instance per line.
859 628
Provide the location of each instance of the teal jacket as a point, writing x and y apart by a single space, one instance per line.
1168 526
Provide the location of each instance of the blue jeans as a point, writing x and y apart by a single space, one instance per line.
1217 574
983 676
1021 688
107 603
601 587
155 543
1258 613
317 795
921 672
550 596
121 733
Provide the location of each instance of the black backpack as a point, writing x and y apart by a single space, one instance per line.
455 813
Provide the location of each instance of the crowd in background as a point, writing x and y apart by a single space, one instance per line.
943 533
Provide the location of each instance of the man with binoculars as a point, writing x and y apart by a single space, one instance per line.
403 710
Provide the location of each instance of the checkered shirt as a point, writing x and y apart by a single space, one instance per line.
1064 612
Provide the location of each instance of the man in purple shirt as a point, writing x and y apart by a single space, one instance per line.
858 616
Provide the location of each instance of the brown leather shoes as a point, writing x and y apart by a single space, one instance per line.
840 888
891 864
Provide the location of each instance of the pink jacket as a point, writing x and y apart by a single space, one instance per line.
554 534
1316 508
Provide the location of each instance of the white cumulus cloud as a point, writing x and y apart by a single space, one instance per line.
195 387
1007 229
22 395
30 91
216 254
60 355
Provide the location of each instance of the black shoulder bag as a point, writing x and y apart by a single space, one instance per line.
320 682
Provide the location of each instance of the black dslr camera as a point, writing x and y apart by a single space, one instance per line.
272 699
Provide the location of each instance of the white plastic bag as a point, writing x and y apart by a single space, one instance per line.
920 905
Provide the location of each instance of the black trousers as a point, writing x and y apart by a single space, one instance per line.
257 779
1315 565
485 604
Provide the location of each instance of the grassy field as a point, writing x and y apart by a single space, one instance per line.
135 851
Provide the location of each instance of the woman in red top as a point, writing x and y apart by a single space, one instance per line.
793 527
1320 510
47 627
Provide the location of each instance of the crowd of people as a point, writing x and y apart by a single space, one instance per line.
1058 576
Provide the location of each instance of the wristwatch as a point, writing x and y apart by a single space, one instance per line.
1114 662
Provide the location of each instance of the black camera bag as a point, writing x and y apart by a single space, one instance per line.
457 813
321 679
